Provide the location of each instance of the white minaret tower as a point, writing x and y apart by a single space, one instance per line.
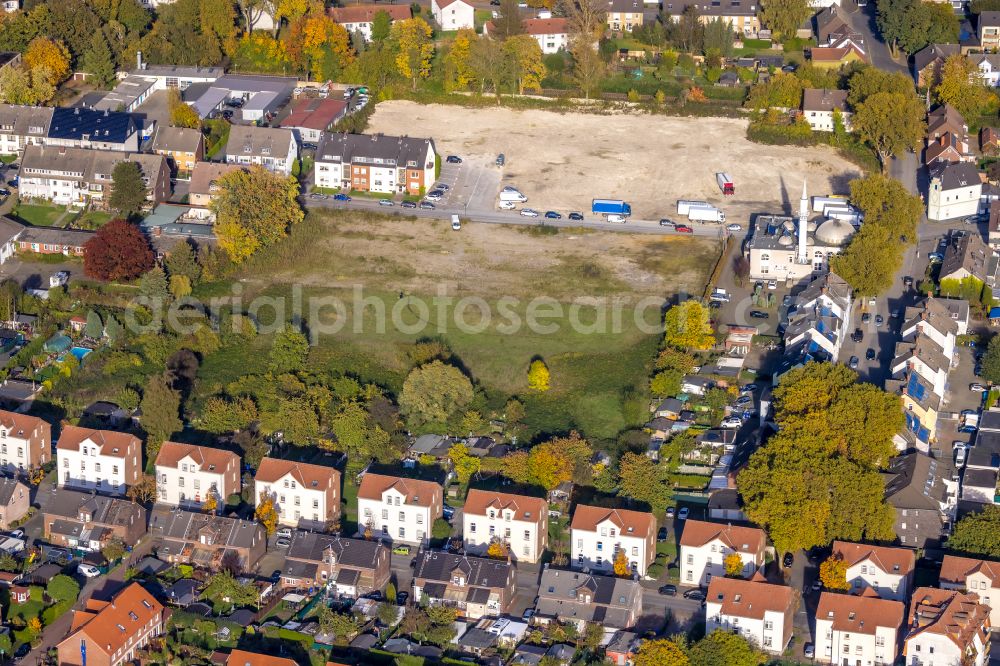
803 220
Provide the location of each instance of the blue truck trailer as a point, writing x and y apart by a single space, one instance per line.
611 207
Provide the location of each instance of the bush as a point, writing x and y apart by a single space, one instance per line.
655 570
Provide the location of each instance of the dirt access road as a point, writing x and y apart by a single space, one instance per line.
562 161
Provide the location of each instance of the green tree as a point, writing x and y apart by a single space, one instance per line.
666 383
224 585
978 533
182 114
153 284
288 350
718 40
890 123
725 647
62 588
464 463
181 261
868 80
687 326
254 209
817 479
870 262
222 415
128 191
643 480
991 361
114 550
911 24
508 21
98 61
588 68
886 203
784 16
341 626
381 26
960 84
161 407
94 328
441 529
434 393
527 66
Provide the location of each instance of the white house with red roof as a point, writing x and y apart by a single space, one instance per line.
759 611
858 627
947 627
973 575
453 14
599 533
101 460
400 509
889 571
705 546
552 34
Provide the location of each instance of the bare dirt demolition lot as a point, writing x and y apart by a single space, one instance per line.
561 161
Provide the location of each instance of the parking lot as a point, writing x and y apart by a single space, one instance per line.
472 185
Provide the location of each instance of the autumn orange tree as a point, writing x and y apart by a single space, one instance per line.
210 505
143 490
498 549
267 513
621 564
551 463
734 565
833 573
319 46
52 55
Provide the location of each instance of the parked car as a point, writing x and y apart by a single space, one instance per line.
276 575
88 570
809 651
527 614
759 314
441 186
968 430
552 215
935 257
734 227
575 216
787 560
976 386
683 513
501 159
17 534
732 423
683 229
401 550
661 535
866 317
879 320
426 205
529 212
456 224
748 388
870 354
4 192
858 335
668 590
435 195
454 159
854 363
401 597
668 223
341 197
283 543
309 146
772 284
696 595
907 281
448 511
408 204
670 512
507 205
817 585
314 195
385 202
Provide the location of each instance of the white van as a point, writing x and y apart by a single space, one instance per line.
612 217
456 224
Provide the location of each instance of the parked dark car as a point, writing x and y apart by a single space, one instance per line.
401 597
576 216
668 223
426 205
552 215
448 512
854 363
759 314
907 281
697 595
668 590
787 560
870 354
454 159
408 204
858 335
501 159
866 317
661 536
341 197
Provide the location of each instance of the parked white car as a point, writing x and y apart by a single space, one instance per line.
529 212
507 205
88 570
732 423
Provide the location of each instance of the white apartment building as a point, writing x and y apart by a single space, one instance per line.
889 571
519 521
402 510
598 534
856 629
552 34
971 575
704 547
102 460
453 14
186 475
954 192
759 611
818 106
375 163
923 355
21 126
947 628
358 19
306 496
938 321
273 148
25 442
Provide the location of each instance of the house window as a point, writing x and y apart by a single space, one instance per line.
402 532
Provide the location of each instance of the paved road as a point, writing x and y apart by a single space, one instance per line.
512 217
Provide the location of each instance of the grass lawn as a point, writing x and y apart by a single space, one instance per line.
93 219
38 215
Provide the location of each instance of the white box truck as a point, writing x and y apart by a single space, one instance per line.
706 213
684 204
726 183
512 195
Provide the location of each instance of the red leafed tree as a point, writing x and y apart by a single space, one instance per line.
118 251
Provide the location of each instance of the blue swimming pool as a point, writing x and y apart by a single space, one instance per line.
80 352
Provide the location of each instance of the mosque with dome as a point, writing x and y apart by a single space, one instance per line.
784 248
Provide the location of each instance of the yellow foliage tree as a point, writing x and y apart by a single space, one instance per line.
660 652
181 114
35 625
526 58
621 564
734 565
310 36
459 72
538 376
36 475
833 574
413 37
687 326
210 505
267 514
50 54
498 550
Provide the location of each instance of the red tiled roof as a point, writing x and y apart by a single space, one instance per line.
317 114
860 614
630 523
543 26
311 477
956 569
524 507
366 13
243 658
171 454
416 492
748 598
897 561
697 533
112 443
20 425
111 627
948 613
